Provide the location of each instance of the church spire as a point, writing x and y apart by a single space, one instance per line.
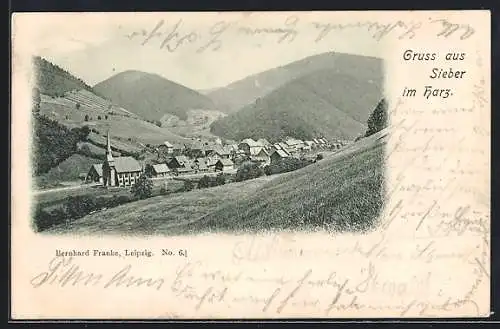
109 153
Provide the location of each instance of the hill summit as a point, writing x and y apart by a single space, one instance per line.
246 91
152 96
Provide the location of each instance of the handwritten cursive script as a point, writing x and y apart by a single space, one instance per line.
63 271
174 35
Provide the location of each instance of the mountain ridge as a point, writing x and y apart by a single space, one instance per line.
150 95
242 92
322 103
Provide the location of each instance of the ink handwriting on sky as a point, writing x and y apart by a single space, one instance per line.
173 35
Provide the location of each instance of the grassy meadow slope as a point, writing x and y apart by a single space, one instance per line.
62 102
343 192
151 96
323 103
246 91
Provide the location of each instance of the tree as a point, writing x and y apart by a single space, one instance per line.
52 143
188 185
204 182
82 133
286 165
220 179
143 188
319 157
79 206
36 99
378 119
249 170
85 150
148 170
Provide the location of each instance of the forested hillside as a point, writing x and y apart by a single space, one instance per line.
322 103
151 96
246 91
54 81
53 143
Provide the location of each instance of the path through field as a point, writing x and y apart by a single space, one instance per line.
66 188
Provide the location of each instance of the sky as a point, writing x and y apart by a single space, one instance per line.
198 50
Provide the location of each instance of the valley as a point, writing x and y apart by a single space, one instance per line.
284 149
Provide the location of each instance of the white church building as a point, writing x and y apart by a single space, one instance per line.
120 171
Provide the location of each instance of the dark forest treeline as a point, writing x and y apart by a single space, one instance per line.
378 119
54 81
322 103
53 142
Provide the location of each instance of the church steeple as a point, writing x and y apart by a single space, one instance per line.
109 153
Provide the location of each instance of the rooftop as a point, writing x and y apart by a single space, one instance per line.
98 168
226 162
126 164
160 168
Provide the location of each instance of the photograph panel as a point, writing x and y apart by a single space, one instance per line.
251 165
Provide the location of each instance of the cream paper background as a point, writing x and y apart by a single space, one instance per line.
438 161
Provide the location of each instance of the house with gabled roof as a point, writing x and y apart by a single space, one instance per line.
188 169
208 149
210 161
167 147
95 174
224 165
294 144
249 146
278 155
160 170
221 152
201 165
197 149
262 157
178 162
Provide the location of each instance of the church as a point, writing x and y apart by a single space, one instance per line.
119 171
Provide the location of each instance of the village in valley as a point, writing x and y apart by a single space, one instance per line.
203 158
137 153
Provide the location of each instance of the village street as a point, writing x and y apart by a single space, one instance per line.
64 188
83 186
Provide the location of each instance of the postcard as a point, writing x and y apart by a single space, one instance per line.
250 165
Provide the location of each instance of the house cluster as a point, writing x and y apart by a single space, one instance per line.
266 153
194 159
202 157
